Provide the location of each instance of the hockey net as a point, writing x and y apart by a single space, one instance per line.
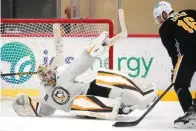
27 43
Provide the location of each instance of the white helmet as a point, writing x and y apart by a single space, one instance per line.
159 8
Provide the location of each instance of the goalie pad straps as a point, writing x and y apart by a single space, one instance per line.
95 106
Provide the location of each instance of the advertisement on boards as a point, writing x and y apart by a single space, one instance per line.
145 60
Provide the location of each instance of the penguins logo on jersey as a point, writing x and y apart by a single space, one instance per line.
60 95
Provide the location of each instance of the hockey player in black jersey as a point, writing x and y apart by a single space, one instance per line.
178 35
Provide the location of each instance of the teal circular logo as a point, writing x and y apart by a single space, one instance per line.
18 56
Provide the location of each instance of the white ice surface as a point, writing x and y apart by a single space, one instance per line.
159 119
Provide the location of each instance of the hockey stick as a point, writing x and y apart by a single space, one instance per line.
123 33
19 74
134 123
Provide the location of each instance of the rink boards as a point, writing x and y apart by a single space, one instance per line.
144 59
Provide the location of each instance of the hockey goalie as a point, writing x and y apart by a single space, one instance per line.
109 95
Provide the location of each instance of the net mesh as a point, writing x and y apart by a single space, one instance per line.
20 50
28 28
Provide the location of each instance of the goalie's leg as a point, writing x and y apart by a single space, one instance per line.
111 84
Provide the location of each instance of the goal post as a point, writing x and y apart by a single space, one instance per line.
27 43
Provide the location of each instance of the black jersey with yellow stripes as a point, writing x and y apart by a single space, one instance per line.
178 34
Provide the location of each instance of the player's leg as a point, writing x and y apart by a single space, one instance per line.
183 79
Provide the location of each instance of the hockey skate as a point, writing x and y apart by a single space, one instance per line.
188 120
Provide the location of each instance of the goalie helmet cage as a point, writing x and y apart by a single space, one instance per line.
14 29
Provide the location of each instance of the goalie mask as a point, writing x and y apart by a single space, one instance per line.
47 75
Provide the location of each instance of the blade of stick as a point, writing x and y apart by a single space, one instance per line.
123 33
122 22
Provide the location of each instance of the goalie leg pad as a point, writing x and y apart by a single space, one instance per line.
23 106
122 86
95 106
